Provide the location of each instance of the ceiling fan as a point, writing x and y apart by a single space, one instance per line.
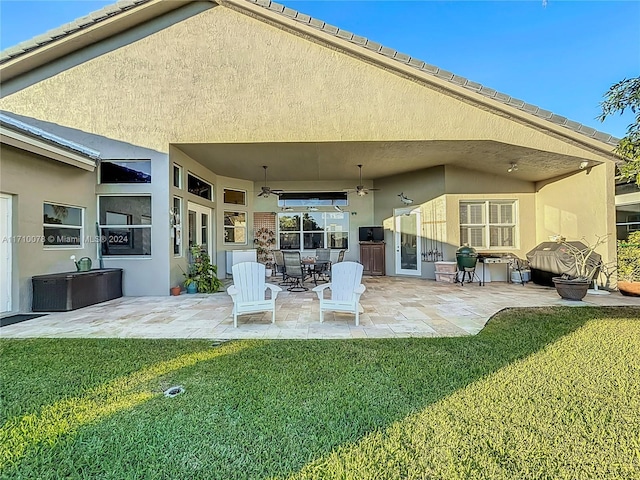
361 190
266 191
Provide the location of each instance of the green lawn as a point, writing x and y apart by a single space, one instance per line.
539 393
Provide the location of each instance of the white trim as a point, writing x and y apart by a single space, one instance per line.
487 224
40 147
398 214
235 190
181 176
6 255
101 226
80 246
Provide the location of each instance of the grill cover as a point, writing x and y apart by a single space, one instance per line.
552 257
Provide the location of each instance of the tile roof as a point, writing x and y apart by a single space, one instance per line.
124 5
30 130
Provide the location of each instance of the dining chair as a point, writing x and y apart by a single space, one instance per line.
278 261
323 262
294 271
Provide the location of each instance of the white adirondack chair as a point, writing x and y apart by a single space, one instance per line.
248 291
346 290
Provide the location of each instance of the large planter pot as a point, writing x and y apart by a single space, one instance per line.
631 289
192 288
571 289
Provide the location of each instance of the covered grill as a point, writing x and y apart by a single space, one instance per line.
551 259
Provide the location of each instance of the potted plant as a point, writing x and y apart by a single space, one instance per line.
202 275
629 265
265 241
584 265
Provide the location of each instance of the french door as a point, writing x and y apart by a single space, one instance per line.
200 227
407 242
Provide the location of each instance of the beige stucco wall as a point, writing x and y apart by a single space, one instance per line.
178 263
437 192
562 211
32 180
224 76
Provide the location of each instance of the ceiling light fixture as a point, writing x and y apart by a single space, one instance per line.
513 167
584 164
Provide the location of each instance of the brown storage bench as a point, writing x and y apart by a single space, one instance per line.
61 292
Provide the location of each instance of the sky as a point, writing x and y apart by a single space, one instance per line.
562 56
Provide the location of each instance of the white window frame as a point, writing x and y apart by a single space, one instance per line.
126 160
486 225
126 227
213 196
58 225
235 228
176 226
327 233
244 204
180 176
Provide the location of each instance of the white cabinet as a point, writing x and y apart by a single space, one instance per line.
238 256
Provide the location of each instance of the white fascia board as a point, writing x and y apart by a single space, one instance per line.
35 145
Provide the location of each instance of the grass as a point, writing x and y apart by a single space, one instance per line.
539 393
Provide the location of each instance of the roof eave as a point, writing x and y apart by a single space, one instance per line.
408 67
135 13
39 146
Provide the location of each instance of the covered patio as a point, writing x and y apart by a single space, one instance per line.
393 307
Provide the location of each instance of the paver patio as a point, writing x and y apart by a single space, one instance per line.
393 307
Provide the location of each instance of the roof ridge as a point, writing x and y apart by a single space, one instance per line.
124 5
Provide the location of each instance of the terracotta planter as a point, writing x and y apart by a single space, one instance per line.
571 289
175 291
631 289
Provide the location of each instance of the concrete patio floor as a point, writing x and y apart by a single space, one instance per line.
393 307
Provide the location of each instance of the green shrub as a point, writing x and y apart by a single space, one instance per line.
202 272
629 258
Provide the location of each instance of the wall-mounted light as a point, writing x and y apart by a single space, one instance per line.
337 208
513 167
312 209
584 164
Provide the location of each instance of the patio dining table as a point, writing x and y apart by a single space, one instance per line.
315 268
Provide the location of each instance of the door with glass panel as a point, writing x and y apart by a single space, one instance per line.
200 227
5 253
407 242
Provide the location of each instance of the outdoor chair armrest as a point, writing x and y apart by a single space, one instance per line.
274 289
232 290
320 289
360 289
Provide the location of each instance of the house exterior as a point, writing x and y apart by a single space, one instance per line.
185 102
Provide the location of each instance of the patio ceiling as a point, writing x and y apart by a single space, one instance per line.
320 161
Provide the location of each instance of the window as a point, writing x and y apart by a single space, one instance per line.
176 222
177 176
313 199
235 197
313 230
487 224
125 223
199 187
125 171
235 227
62 225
